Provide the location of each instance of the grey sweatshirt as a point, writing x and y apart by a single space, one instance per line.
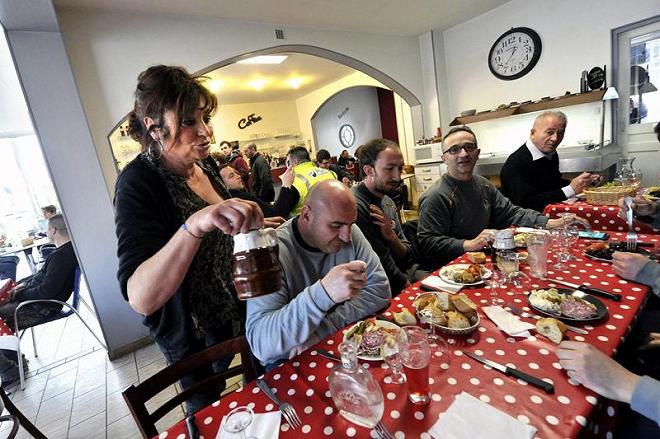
452 211
302 313
646 398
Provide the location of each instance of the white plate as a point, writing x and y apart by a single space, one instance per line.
379 324
447 271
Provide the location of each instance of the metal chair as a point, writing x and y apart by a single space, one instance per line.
17 417
67 310
136 396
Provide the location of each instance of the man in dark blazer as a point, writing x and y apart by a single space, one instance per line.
530 176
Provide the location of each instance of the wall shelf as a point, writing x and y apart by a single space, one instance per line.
545 104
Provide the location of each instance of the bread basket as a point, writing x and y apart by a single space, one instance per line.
474 323
609 196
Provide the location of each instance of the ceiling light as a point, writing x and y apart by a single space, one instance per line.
296 82
215 84
264 59
258 84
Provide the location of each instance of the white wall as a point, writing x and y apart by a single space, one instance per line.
107 51
363 115
575 37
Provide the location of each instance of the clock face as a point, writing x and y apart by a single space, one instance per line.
347 135
515 53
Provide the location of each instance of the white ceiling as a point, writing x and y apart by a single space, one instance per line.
394 17
314 71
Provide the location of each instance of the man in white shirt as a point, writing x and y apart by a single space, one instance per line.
530 176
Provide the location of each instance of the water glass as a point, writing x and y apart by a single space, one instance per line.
416 356
537 249
493 283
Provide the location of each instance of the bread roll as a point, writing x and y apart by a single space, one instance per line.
423 300
477 257
404 317
551 328
456 320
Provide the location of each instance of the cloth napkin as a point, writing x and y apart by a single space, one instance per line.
507 322
437 283
471 418
263 426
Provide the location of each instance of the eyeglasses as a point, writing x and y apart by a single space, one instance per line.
325 162
468 147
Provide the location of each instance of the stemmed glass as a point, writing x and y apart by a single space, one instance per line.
238 420
509 263
559 243
392 356
493 283
426 317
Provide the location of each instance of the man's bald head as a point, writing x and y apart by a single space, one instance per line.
327 216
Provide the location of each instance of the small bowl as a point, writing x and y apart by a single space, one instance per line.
471 112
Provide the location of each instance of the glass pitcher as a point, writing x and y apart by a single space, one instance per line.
627 175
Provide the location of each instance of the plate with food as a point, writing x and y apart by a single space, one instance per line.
453 314
652 193
520 239
464 274
567 305
371 336
602 251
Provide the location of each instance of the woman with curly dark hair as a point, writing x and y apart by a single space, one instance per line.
175 220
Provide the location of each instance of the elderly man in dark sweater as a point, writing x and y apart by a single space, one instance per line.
530 176
461 210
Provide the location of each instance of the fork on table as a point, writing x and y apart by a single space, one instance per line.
519 312
631 236
382 431
289 413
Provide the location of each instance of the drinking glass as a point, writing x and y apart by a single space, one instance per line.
238 420
537 249
426 317
392 355
416 356
559 243
493 283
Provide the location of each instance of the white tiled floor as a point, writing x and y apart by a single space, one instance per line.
81 396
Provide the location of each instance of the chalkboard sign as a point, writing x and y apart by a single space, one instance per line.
596 78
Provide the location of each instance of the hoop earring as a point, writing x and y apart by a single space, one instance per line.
156 152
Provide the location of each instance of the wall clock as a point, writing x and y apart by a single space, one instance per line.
346 135
514 53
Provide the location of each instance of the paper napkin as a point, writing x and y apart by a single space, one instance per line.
507 322
437 283
263 426
469 417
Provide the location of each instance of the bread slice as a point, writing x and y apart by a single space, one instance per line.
423 300
444 301
404 317
456 320
551 328
463 303
477 257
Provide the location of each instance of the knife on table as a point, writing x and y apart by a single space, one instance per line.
547 387
326 354
588 289
193 432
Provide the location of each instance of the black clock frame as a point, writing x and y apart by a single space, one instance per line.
535 56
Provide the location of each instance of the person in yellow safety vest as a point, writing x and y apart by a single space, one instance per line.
307 174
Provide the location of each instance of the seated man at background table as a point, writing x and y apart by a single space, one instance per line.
378 218
323 161
287 198
53 281
330 278
459 212
600 373
307 174
530 176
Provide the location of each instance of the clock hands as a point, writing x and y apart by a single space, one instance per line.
511 56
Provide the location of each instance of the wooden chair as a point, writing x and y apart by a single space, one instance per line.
136 396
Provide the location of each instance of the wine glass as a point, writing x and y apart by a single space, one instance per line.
238 420
426 317
392 356
559 243
493 283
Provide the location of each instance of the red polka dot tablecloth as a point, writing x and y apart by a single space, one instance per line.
570 411
4 329
600 217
